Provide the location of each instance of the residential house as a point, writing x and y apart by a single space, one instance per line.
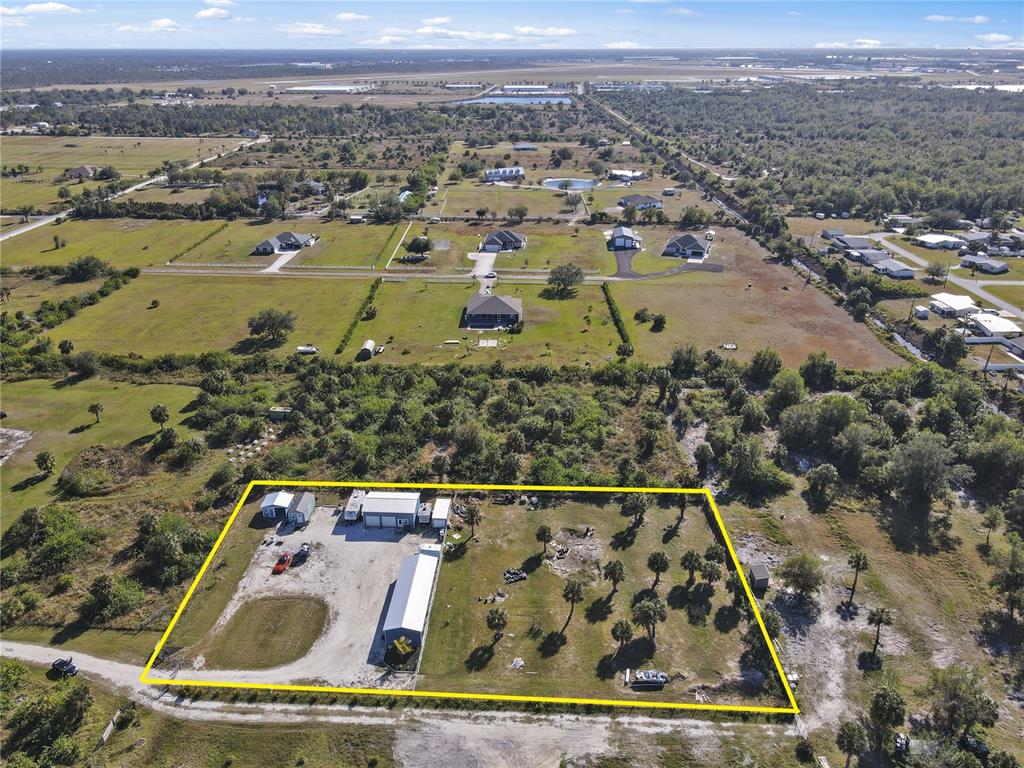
624 174
687 247
982 263
952 305
829 234
410 599
491 311
851 243
286 241
249 133
623 239
987 324
936 241
640 202
975 237
504 174
82 172
503 240
894 269
869 256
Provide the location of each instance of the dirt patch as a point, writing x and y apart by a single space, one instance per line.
575 553
12 441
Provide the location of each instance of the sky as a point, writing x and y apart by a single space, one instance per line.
482 24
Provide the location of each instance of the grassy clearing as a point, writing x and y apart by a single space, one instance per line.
119 242
128 646
59 417
460 653
131 156
28 293
341 243
198 313
466 197
1014 293
777 310
809 227
415 318
537 160
37 190
181 195
287 628
607 196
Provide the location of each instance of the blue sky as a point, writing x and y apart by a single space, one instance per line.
615 25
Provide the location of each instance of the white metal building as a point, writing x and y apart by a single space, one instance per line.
993 325
439 514
390 509
276 503
410 600
952 305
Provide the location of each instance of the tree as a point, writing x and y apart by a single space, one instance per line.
66 346
818 372
658 563
518 212
715 553
991 519
935 270
691 561
272 324
859 562
473 517
572 594
1009 579
852 739
764 366
923 467
710 572
801 573
46 462
787 389
622 633
564 278
960 701
420 245
647 613
96 409
497 619
544 537
160 415
614 572
635 505
887 711
878 618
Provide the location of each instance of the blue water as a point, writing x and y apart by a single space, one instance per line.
518 100
573 183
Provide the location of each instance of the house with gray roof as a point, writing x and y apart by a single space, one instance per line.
851 243
982 263
687 247
286 241
490 311
640 202
869 255
623 239
503 240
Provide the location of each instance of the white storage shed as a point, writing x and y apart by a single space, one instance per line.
390 509
410 600
439 515
275 504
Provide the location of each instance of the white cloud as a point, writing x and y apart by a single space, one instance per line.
545 31
156 25
384 40
212 13
221 3
942 18
32 8
243 18
464 34
434 21
861 42
624 44
994 37
793 13
350 16
307 29
16 21
683 12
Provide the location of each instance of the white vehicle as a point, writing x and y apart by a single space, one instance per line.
434 220
307 349
491 275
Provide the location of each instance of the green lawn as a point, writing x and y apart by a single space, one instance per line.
1014 293
288 625
210 312
461 655
59 417
119 242
465 197
951 259
37 190
28 293
180 195
415 318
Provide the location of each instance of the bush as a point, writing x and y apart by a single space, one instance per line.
111 597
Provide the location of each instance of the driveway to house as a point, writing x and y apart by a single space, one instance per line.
280 261
973 286
483 264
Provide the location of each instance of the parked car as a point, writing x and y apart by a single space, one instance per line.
491 275
302 555
65 667
283 562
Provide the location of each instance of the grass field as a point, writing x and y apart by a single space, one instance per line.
288 626
624 155
37 190
180 195
210 312
27 293
700 638
119 242
809 228
548 245
777 310
607 196
415 318
951 260
465 197
59 418
1014 293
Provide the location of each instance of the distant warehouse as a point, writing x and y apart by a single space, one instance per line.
410 601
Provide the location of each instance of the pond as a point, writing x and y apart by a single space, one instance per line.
518 100
573 183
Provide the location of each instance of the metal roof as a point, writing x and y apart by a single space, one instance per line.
305 504
410 601
391 503
277 499
441 509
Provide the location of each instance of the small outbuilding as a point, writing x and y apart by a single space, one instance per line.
353 506
439 514
366 351
276 504
410 600
759 577
624 239
301 509
390 509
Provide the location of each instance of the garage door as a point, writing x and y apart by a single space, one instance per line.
373 521
389 521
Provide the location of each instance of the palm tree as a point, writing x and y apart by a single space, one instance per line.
544 537
710 571
472 516
572 594
859 562
657 562
647 613
622 633
635 506
734 585
497 619
160 415
691 562
852 739
878 618
614 572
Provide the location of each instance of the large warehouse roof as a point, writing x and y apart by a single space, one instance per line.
391 503
411 599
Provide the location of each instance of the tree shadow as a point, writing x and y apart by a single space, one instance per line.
554 292
632 655
670 533
456 552
847 611
868 661
551 644
28 482
698 607
643 594
599 610
479 658
798 614
81 428
532 563
254 344
678 597
624 539
726 618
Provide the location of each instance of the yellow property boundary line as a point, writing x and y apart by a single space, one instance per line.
792 709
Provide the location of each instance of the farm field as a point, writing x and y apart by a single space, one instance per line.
119 242
415 319
186 323
547 246
576 656
465 197
711 309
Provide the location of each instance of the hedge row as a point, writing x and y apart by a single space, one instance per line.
358 316
626 348
200 241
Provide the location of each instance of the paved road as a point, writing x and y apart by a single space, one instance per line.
973 286
43 221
